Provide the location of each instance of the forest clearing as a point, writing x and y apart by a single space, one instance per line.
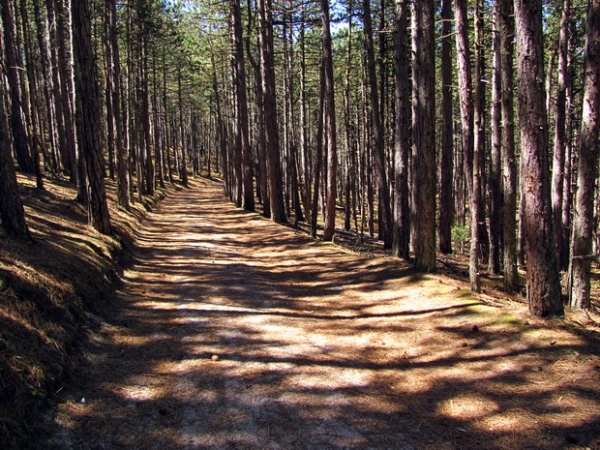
230 331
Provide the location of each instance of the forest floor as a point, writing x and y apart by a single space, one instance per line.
229 331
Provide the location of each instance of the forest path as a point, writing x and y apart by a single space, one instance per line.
235 332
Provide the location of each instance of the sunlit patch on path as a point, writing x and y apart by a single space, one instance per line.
234 332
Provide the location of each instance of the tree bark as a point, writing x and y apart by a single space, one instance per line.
146 138
465 89
11 208
446 217
36 134
330 125
64 86
479 236
400 247
495 170
318 156
270 111
17 116
583 219
560 137
89 114
378 136
509 164
423 110
350 148
466 101
242 106
543 285
115 99
262 178
43 39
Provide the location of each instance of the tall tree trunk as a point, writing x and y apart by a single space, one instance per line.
62 155
235 151
221 132
304 147
159 147
560 145
111 120
262 178
330 125
465 89
348 149
378 136
290 124
543 284
583 219
88 105
115 69
446 217
495 170
148 162
242 106
479 237
509 164
465 86
423 110
181 128
17 116
318 156
43 39
400 247
270 111
11 208
66 93
350 160
36 131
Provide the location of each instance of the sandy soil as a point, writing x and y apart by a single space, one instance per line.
231 332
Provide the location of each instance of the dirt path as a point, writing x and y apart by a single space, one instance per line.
238 333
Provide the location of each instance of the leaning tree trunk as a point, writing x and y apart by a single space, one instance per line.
89 114
543 284
583 219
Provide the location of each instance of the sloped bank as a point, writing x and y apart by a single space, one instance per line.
51 292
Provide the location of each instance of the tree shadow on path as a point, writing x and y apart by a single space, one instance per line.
232 332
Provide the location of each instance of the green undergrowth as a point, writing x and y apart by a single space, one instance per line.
50 293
